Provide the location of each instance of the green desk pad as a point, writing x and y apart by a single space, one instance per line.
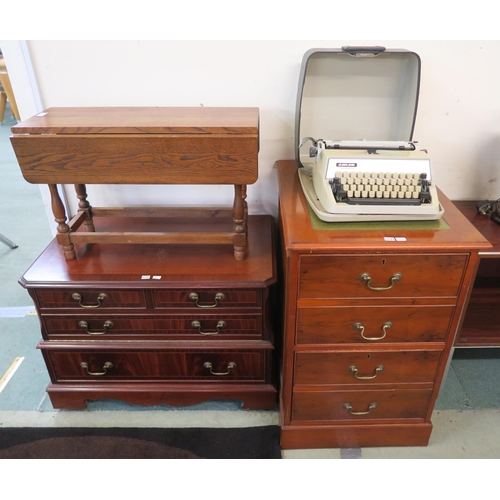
413 225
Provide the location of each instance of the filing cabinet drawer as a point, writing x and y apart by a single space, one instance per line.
139 328
380 275
148 364
359 405
361 367
341 325
96 299
206 299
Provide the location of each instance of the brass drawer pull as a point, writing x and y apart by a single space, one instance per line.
230 366
197 324
367 278
85 326
378 369
100 298
105 367
218 296
385 327
348 407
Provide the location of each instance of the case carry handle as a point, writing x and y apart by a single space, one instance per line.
363 51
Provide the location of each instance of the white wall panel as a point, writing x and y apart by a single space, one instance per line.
458 119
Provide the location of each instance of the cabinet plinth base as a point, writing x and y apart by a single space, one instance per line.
76 396
343 436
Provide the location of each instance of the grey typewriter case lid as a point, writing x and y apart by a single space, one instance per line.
356 93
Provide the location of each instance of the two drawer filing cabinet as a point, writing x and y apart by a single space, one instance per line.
370 316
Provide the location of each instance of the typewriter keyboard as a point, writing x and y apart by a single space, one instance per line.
380 188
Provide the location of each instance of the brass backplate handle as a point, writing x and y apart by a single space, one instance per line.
105 367
385 327
366 278
348 407
106 326
230 366
100 298
354 370
194 297
197 324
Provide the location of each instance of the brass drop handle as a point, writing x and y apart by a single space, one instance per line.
230 366
348 407
197 324
218 296
354 370
385 327
85 326
100 298
367 279
105 367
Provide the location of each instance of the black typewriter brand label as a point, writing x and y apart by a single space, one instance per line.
343 164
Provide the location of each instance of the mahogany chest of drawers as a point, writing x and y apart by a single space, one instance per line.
155 324
370 316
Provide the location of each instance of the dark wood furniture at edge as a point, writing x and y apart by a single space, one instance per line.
130 145
481 326
156 324
363 359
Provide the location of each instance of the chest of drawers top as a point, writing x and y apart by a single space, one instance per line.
156 267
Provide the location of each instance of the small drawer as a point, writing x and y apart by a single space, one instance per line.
206 299
359 405
373 325
91 300
384 275
173 327
359 367
149 364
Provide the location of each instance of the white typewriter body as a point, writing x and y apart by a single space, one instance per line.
382 182
367 97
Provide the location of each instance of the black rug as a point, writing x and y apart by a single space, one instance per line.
139 443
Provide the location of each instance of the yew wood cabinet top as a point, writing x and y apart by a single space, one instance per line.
300 234
139 145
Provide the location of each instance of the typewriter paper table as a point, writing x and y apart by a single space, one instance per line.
141 146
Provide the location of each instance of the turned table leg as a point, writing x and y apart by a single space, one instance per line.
84 206
240 212
63 229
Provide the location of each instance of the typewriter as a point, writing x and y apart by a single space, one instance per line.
353 181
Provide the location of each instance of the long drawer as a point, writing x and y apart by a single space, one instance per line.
380 275
149 364
365 367
359 405
340 325
197 327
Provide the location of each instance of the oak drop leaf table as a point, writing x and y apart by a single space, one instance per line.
141 145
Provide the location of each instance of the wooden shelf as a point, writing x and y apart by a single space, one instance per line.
481 326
